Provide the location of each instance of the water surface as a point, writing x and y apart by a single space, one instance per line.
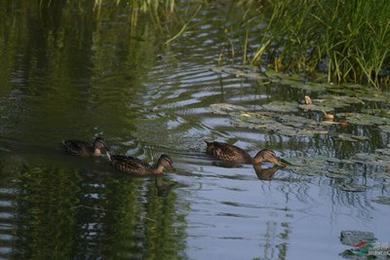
68 73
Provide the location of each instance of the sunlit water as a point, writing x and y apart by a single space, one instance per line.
65 77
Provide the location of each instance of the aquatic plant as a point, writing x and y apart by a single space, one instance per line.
346 39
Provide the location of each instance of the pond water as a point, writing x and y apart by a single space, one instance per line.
68 73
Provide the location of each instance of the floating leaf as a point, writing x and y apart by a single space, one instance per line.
313 107
381 157
287 125
385 128
311 166
296 121
376 112
382 200
311 86
225 109
338 175
250 72
364 119
352 138
281 106
337 101
352 187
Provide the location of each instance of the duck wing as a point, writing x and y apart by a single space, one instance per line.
76 147
129 164
228 152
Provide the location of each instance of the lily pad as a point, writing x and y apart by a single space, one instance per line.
338 174
385 128
379 158
383 152
345 99
372 95
296 121
314 107
252 119
250 72
303 126
311 87
281 106
364 119
376 112
352 138
261 121
311 166
225 109
382 200
337 101
352 187
287 125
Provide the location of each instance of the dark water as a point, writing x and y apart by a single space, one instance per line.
67 72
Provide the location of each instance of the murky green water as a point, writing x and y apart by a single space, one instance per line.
65 73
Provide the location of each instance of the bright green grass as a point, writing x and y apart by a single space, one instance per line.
351 37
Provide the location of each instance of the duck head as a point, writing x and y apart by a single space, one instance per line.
99 146
164 162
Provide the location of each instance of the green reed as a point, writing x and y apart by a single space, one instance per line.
351 38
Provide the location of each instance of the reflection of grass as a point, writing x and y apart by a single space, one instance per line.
155 8
350 37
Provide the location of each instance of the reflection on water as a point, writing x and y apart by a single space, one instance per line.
265 174
62 213
67 73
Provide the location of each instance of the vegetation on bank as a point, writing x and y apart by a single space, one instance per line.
349 40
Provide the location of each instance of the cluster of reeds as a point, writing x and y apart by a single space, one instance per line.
349 40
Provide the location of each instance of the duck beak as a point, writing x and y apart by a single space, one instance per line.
282 163
171 167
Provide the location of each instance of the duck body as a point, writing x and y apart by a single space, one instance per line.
137 167
231 153
228 152
82 148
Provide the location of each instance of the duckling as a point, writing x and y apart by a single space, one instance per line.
139 167
232 153
81 148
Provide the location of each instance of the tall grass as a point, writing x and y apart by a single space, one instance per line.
352 38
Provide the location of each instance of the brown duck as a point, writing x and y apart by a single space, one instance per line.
234 154
137 167
81 148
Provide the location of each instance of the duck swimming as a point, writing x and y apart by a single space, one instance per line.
81 148
135 166
231 153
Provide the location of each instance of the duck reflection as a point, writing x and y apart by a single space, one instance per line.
163 187
265 174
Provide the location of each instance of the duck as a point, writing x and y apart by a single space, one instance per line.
137 167
82 148
231 153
